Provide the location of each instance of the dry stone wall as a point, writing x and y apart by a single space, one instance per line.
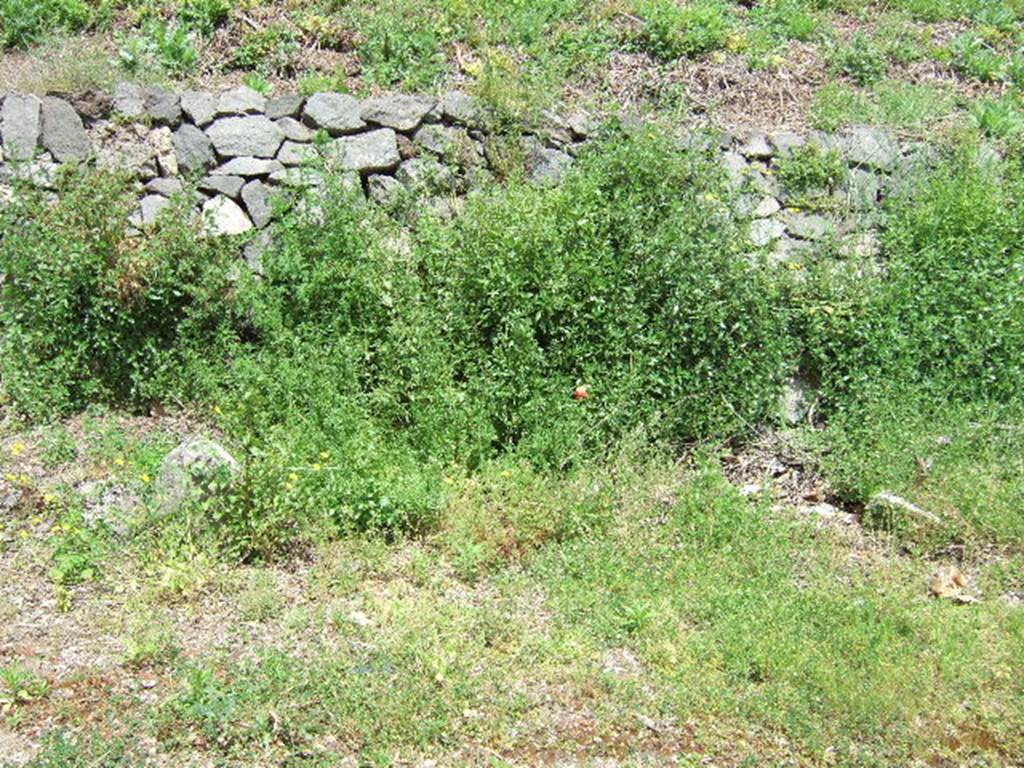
235 150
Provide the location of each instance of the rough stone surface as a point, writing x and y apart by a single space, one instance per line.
336 113
199 106
756 147
283 106
163 107
249 166
194 471
112 505
786 141
461 108
426 173
255 136
168 187
870 148
149 209
193 149
293 130
256 196
161 142
764 231
371 152
129 100
437 139
768 206
63 134
798 396
294 153
241 101
808 226
224 185
547 166
384 190
21 125
400 111
225 217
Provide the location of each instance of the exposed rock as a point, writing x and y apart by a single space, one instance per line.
249 166
868 147
862 189
166 186
755 146
63 134
114 506
767 206
293 130
161 142
336 113
130 100
283 106
798 396
298 176
400 111
437 139
736 168
242 100
544 165
149 210
199 106
950 583
764 231
383 190
786 141
582 125
225 217
808 226
256 196
370 152
294 153
163 107
253 251
21 125
255 136
194 472
224 185
461 108
426 173
193 149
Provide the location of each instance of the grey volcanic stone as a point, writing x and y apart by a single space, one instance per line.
293 153
130 100
63 132
426 173
808 226
766 207
582 125
151 206
163 107
370 152
194 471
199 106
384 190
255 136
870 148
543 165
786 141
241 101
193 149
755 146
461 108
736 168
225 185
298 176
763 231
862 189
438 139
253 251
166 186
256 196
249 166
225 217
21 124
283 106
400 111
294 130
336 113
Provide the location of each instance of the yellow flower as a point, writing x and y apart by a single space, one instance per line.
316 467
448 480
11 478
293 477
324 455
506 473
25 479
49 498
217 410
119 461
288 486
146 478
17 449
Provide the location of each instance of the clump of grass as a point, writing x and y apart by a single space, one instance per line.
671 31
810 169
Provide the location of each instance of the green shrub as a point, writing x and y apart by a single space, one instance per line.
401 49
25 22
1001 118
812 169
862 60
975 57
203 16
271 50
90 315
671 31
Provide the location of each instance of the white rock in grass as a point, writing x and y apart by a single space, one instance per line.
225 217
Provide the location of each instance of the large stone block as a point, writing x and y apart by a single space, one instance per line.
253 136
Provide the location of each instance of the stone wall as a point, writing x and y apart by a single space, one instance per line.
237 147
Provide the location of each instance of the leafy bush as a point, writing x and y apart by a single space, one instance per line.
24 22
168 47
203 16
92 316
812 169
271 50
401 49
670 30
862 60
